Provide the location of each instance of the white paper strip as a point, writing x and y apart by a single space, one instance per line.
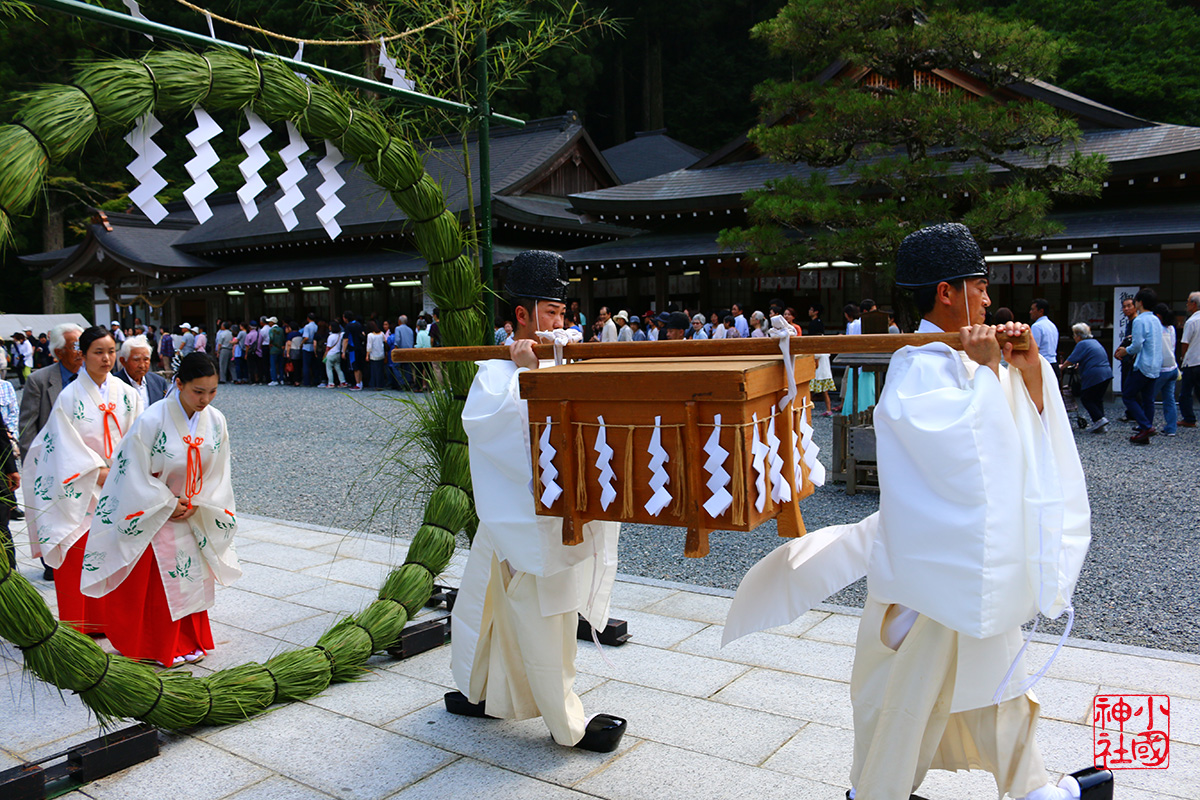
781 492
718 479
206 158
328 190
658 475
816 470
391 72
149 181
604 464
293 174
256 159
136 12
549 475
758 460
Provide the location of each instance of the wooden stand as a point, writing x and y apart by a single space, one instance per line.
84 763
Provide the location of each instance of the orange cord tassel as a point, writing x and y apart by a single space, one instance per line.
193 482
108 409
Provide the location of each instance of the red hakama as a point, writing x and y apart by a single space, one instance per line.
139 623
85 614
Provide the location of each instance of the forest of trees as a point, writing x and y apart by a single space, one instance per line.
689 66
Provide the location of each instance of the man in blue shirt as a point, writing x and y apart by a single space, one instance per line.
309 367
1044 332
1146 351
404 337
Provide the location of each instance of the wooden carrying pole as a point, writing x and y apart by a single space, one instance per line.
719 348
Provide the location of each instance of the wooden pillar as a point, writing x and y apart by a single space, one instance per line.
662 285
585 298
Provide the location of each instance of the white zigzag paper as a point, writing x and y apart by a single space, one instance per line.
549 472
328 190
758 459
136 12
604 464
256 158
149 181
781 491
658 476
718 478
289 180
816 470
206 158
391 71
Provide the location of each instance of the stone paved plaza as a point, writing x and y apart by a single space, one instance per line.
767 717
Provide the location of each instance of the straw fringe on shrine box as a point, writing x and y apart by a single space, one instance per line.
695 443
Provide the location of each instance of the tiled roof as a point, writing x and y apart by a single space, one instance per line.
1128 226
648 154
724 186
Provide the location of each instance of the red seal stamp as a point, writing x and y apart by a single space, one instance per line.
1131 731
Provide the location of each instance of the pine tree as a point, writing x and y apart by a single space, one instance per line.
889 146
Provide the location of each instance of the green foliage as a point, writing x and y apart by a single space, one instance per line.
885 156
1139 56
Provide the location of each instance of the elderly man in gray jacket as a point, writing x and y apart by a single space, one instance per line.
43 386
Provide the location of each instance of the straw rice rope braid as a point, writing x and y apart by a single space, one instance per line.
103 675
84 92
210 81
275 681
438 215
41 641
153 80
36 138
581 498
346 129
294 40
157 698
355 624
4 578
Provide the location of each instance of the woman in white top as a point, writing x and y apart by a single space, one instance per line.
164 526
67 466
376 341
333 357
1164 387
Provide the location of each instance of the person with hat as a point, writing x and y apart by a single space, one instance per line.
675 323
117 333
515 619
624 334
189 341
983 524
635 326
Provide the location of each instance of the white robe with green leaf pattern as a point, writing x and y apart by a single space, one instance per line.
149 472
62 468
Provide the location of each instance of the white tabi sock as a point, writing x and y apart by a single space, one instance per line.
1067 789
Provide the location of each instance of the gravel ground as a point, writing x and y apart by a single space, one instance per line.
321 457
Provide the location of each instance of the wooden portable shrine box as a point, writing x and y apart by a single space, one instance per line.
686 394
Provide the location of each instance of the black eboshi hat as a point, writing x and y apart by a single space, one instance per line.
946 252
538 275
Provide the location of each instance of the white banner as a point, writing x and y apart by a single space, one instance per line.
1120 323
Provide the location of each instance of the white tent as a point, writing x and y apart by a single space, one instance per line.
38 323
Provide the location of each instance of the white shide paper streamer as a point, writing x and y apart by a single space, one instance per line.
149 181
604 464
658 475
718 478
256 158
136 13
289 180
758 460
781 492
549 476
391 72
809 449
328 190
206 158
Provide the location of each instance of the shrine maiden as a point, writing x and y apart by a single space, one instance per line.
983 523
67 467
516 616
164 525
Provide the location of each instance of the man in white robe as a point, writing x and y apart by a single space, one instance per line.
983 523
515 620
